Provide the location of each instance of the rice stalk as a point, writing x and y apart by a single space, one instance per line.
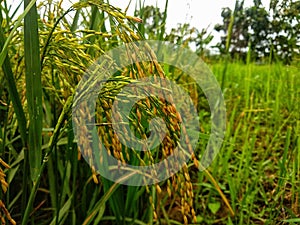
66 53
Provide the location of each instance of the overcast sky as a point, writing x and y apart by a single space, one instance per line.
198 13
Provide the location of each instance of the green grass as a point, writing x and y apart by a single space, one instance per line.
259 161
257 170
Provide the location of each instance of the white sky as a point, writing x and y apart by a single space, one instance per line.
198 13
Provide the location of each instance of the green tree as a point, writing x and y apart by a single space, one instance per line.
258 30
187 35
239 34
275 31
154 23
286 29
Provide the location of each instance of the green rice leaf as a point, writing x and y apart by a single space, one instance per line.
12 89
33 89
15 27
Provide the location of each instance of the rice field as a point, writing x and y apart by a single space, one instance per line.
254 179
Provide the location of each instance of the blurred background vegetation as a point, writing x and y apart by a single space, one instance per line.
255 179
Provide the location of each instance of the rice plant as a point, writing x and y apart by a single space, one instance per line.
46 51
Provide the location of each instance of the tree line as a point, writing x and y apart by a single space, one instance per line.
267 33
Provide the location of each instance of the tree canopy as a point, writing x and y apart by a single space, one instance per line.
268 33
272 33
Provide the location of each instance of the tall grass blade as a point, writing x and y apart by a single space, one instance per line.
214 182
12 89
33 89
228 42
63 212
75 21
15 27
105 197
53 140
163 28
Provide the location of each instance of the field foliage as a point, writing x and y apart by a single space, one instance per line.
255 178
